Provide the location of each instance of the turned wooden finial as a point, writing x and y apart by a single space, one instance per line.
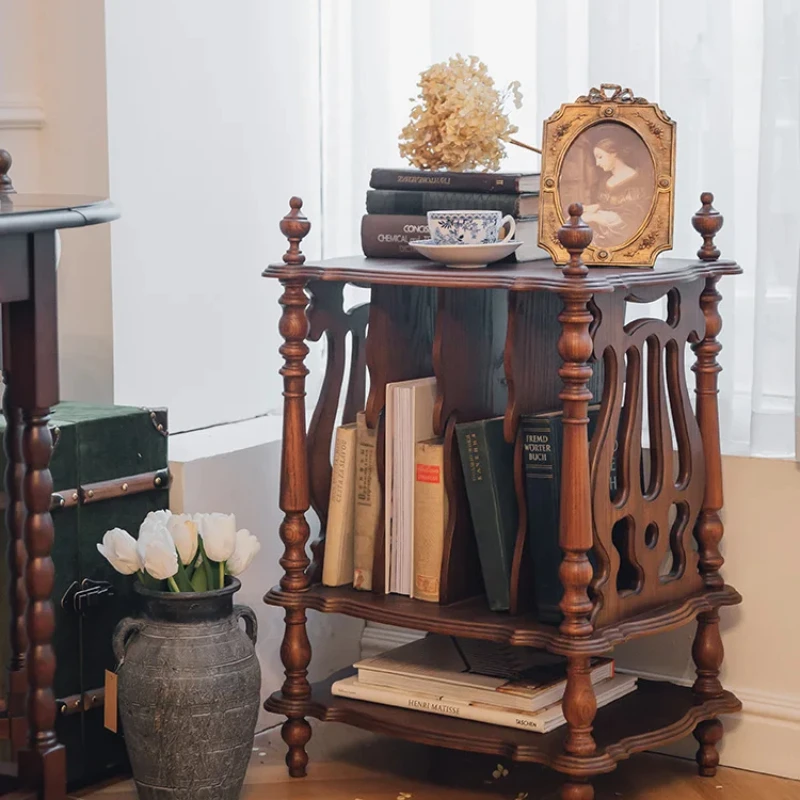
294 226
707 222
6 187
575 236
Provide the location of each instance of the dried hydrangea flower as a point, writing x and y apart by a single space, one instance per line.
459 121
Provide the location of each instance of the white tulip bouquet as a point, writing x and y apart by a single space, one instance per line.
191 552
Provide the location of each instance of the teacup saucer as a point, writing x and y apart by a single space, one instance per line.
465 256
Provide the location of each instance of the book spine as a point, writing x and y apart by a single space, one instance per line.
367 504
539 454
430 520
387 201
388 235
542 438
444 181
507 718
486 513
338 563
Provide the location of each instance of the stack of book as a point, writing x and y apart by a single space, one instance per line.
399 200
415 510
514 687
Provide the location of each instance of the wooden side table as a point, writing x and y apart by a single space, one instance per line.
638 560
30 371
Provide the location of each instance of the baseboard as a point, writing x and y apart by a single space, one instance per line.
20 112
763 737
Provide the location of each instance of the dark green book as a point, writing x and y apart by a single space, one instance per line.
488 464
542 438
418 202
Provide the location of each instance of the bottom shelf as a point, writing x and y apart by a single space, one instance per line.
655 714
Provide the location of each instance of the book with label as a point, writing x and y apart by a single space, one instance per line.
409 419
367 504
410 202
430 519
337 567
542 721
487 461
542 437
519 678
388 236
501 182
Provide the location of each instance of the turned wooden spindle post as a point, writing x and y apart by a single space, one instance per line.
294 491
17 559
6 186
575 533
707 650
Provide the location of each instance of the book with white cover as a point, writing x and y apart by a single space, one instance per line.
519 678
409 419
542 721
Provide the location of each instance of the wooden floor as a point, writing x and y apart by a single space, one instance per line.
352 765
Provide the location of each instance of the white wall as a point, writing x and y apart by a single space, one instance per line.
74 160
213 121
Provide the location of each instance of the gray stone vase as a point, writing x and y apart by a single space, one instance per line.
189 686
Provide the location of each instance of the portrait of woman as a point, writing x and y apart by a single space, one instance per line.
609 170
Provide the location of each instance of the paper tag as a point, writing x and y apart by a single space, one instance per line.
110 706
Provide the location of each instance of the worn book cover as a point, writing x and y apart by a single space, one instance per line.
497 674
390 201
542 721
337 567
500 182
487 461
430 519
542 437
367 504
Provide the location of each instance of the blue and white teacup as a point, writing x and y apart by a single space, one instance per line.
469 227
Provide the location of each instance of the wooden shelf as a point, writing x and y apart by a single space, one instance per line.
522 276
471 618
657 713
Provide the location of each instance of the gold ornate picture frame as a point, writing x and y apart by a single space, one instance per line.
614 153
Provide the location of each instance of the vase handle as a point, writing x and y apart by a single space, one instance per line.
125 629
250 621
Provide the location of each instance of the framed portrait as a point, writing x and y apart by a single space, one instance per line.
614 153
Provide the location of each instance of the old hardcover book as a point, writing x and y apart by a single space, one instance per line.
521 678
542 437
367 504
487 461
98 449
542 721
337 567
388 235
409 419
390 201
430 519
500 182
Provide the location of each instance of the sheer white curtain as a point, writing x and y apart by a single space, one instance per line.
727 71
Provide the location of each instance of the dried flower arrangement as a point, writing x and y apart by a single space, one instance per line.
459 121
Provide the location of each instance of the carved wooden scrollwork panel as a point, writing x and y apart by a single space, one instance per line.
327 317
643 526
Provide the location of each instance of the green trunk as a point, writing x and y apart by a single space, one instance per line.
93 444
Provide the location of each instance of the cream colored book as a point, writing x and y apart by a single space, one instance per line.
367 504
339 532
409 419
543 721
430 519
522 678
